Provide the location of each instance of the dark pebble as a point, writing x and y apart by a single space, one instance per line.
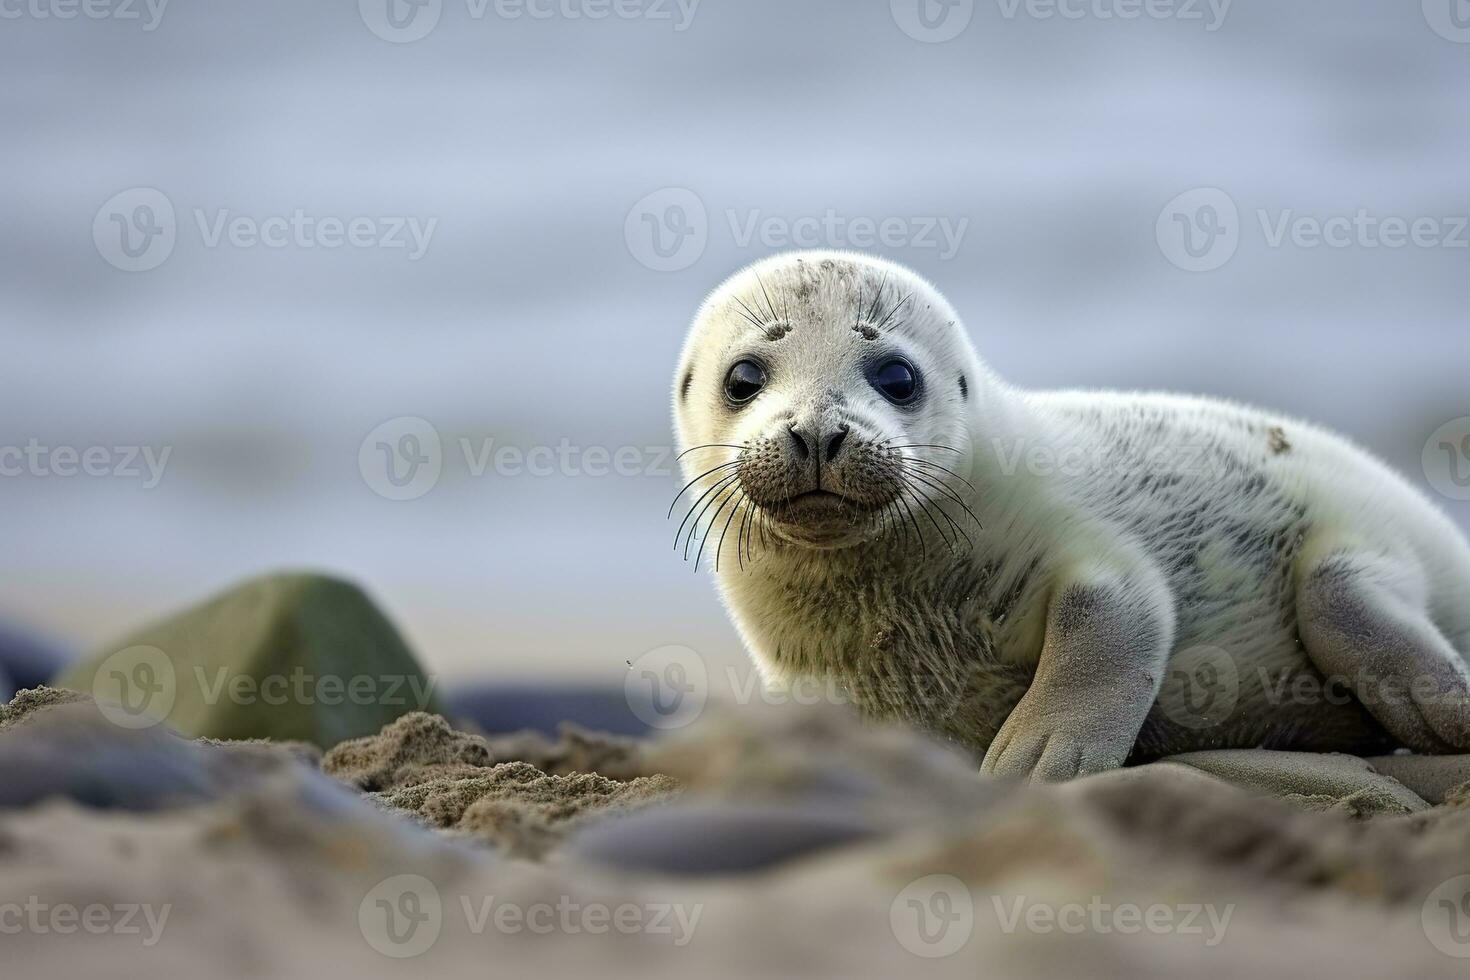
712 839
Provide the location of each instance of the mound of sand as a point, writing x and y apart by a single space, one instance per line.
452 780
799 840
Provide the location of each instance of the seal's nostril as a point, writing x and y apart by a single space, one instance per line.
799 443
834 442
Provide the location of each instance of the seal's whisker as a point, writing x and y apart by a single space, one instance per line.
938 505
894 311
924 506
914 521
936 466
741 537
921 445
897 526
721 499
751 320
750 314
719 487
709 445
733 497
877 297
891 524
769 305
692 482
757 526
935 484
954 524
896 518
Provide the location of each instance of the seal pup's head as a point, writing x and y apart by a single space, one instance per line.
825 399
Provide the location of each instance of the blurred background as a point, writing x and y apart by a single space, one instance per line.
304 279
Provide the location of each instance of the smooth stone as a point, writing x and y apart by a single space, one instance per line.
1305 774
27 660
73 751
1433 777
703 839
290 657
504 708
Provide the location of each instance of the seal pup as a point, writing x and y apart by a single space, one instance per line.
1060 581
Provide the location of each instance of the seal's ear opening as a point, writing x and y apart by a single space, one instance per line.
964 387
684 386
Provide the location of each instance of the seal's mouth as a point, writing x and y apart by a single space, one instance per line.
817 494
815 502
817 515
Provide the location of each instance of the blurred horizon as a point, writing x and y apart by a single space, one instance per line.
541 203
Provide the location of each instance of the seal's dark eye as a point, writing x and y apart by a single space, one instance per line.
745 381
897 380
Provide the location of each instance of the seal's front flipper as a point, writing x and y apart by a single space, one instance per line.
1365 623
1107 642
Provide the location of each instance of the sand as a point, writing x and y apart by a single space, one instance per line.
780 842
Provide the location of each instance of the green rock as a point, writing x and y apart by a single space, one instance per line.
287 657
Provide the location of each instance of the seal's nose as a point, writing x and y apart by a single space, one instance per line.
834 442
798 443
831 443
